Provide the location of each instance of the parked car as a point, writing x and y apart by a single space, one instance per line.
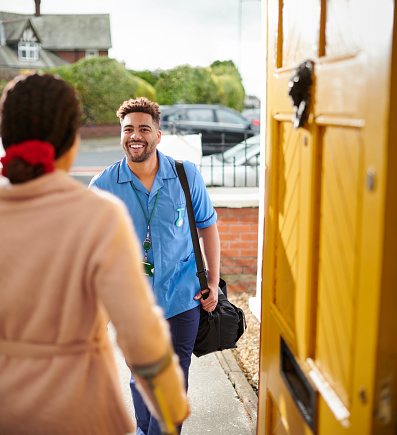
220 127
253 116
236 167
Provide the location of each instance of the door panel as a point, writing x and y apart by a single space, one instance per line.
299 29
289 162
342 29
325 196
339 255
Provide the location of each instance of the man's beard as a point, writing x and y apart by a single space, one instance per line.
148 150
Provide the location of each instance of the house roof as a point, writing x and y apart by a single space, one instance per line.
71 32
13 29
6 16
9 58
61 32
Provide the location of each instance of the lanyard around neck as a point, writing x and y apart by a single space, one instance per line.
147 244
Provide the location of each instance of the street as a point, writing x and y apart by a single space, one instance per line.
95 155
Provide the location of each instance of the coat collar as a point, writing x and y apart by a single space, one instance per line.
53 182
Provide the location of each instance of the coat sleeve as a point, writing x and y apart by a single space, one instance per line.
142 333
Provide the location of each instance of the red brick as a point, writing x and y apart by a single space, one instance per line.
254 244
249 253
231 270
250 270
224 245
245 211
230 236
223 211
228 261
240 228
108 130
245 261
230 253
249 220
229 220
249 236
237 288
240 245
254 228
223 228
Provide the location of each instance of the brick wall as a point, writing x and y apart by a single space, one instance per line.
238 232
99 131
73 56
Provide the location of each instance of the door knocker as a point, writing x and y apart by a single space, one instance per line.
299 91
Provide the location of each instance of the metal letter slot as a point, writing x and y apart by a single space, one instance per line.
302 391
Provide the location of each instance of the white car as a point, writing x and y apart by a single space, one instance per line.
236 167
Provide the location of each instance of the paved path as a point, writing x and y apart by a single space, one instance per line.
215 406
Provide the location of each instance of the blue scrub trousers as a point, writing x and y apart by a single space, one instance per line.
183 328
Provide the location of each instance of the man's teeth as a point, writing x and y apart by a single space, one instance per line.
136 146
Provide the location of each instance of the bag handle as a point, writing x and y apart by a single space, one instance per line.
201 272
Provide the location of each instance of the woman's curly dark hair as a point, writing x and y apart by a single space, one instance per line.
42 107
140 104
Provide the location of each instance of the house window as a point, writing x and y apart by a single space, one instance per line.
28 51
91 53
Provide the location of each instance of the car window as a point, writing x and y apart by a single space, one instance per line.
201 115
229 117
174 116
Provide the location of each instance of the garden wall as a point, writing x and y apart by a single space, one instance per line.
238 231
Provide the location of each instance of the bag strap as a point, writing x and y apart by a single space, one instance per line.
201 272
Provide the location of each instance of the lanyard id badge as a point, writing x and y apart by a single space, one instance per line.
148 268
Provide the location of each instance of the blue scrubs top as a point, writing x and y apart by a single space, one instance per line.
174 282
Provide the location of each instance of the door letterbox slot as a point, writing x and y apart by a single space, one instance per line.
302 391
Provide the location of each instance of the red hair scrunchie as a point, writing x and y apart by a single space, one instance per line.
34 152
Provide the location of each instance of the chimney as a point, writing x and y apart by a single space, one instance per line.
37 7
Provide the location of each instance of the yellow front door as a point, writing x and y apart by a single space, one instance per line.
326 199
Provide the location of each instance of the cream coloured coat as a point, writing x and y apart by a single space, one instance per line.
69 262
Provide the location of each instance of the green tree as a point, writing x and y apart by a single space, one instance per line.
149 76
231 90
185 84
218 84
102 85
225 67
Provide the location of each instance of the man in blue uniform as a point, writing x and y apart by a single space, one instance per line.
146 180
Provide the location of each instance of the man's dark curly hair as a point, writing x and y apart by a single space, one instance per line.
42 107
140 104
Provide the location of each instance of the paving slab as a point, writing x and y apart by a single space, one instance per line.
216 408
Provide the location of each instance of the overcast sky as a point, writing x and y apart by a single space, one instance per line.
152 34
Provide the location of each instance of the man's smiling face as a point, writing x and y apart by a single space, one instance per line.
139 136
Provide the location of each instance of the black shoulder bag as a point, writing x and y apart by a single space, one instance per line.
219 329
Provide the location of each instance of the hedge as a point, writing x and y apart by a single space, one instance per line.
102 85
218 84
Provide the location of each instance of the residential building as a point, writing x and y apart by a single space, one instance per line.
31 42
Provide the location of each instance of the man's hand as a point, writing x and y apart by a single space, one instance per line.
210 247
211 300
